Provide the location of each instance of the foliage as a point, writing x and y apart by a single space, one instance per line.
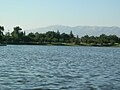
1 33
18 36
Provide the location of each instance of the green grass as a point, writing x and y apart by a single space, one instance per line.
67 44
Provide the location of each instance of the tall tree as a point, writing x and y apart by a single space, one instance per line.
58 36
1 33
17 34
77 41
71 34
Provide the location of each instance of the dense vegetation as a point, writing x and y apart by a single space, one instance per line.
17 36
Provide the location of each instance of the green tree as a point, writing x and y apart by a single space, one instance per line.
17 34
77 41
71 34
58 36
42 38
65 38
37 37
1 33
7 37
50 36
85 39
31 36
103 39
72 37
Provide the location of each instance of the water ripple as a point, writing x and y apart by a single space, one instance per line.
59 68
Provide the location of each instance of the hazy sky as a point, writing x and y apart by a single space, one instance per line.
39 13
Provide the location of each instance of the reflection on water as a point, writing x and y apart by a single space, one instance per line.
59 68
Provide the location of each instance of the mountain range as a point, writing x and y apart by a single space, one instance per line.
80 30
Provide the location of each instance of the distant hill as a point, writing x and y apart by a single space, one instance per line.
80 30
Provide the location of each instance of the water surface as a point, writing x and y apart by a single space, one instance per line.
59 68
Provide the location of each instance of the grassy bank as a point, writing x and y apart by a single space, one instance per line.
101 45
67 44
48 44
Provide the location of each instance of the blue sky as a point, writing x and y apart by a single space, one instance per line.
39 13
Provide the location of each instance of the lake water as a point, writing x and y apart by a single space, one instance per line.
59 68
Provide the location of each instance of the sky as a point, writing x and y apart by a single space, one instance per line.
30 14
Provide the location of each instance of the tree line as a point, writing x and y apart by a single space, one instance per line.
18 36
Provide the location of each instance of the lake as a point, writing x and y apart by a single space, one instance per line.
32 67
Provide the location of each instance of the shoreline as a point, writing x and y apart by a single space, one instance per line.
66 44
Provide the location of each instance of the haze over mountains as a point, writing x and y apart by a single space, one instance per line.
80 30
